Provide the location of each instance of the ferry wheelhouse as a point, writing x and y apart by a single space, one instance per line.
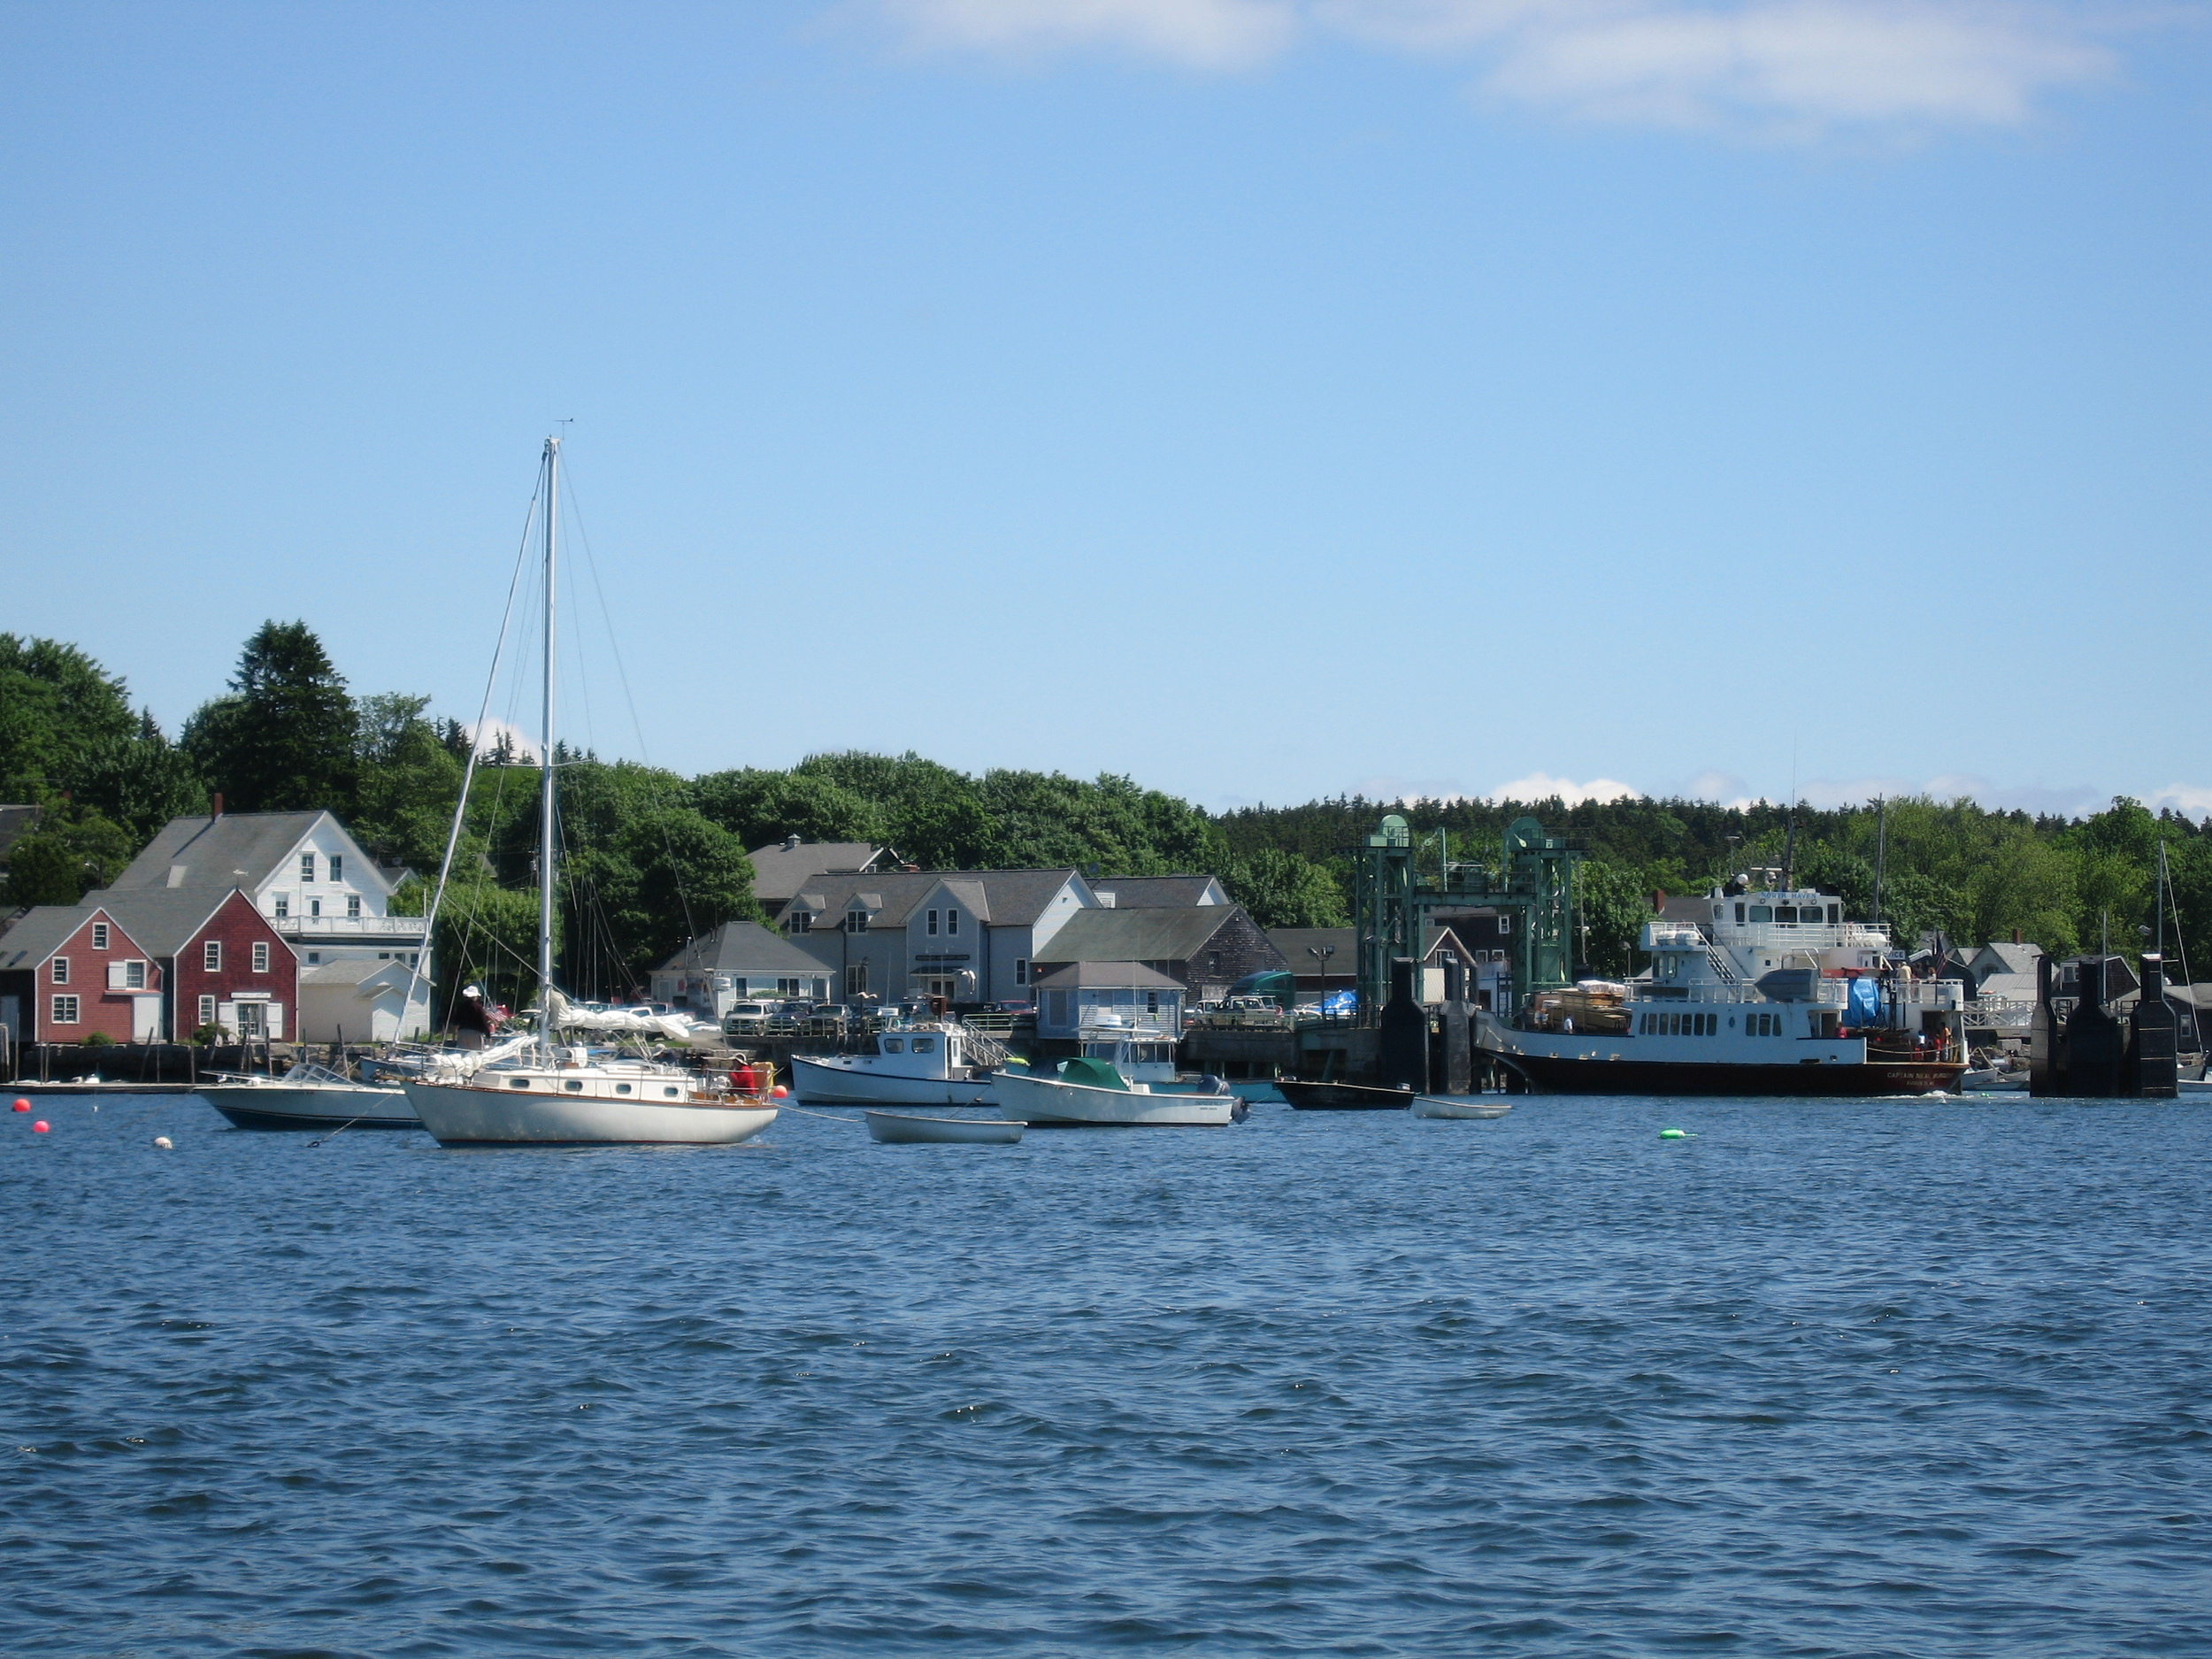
1766 992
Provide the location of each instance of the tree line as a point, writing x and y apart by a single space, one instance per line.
652 858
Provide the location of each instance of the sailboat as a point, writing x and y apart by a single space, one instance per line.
552 1093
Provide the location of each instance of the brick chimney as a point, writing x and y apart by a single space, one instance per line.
216 805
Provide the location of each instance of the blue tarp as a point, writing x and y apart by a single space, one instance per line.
1340 1002
1865 1005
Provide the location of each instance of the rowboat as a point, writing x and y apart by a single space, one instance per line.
1459 1106
1089 1093
900 1129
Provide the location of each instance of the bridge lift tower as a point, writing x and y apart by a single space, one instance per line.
1395 904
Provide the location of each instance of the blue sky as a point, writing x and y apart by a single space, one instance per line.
1265 398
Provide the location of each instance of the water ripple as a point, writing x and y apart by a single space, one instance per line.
1833 1378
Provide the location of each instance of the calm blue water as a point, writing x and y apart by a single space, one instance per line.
1915 1378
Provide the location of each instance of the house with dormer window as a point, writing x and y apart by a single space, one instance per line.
315 885
968 935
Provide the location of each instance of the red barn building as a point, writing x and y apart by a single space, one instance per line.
70 971
222 964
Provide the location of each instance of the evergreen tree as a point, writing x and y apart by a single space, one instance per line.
283 740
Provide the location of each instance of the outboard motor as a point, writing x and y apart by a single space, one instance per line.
2151 1069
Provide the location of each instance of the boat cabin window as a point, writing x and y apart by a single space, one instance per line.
1763 912
518 1082
895 1045
669 1093
925 1045
622 1088
1835 914
575 1086
1740 910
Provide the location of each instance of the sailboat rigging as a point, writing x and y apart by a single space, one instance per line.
544 1090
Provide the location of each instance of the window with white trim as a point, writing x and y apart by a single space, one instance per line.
283 906
211 956
261 956
337 867
65 1010
1505 924
307 868
353 907
952 920
135 975
61 969
799 922
932 928
856 920
207 1010
1021 971
314 906
99 935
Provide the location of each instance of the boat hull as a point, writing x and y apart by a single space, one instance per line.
281 1108
1048 1103
1343 1097
822 1085
1482 1106
1559 1075
896 1130
463 1116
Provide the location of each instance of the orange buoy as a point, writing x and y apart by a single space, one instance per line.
781 1092
23 1105
39 1128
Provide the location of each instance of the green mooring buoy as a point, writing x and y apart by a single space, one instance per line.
1676 1135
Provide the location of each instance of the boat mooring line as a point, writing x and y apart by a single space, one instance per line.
334 1134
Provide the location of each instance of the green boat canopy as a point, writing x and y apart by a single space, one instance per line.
1091 1074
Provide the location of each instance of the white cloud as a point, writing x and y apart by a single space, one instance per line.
1195 33
2191 800
1789 68
487 736
1541 786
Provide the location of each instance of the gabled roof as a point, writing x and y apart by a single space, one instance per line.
359 971
1009 897
1293 942
1109 975
1137 935
1157 893
782 870
42 930
163 920
239 849
2008 958
741 948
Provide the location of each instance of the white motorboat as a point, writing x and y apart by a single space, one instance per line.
898 1129
919 1065
308 1096
1089 1093
1989 1079
548 1094
1459 1106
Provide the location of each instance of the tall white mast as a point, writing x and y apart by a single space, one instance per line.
546 804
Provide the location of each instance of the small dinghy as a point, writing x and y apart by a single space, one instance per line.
898 1129
1459 1106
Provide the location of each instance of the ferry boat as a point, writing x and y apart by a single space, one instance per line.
1764 993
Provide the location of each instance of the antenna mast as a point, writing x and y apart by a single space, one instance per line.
548 799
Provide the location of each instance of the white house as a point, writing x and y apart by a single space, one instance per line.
356 1000
312 881
967 935
736 961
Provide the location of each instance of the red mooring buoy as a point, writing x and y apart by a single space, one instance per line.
39 1128
23 1105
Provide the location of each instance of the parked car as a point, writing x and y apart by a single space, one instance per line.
746 1019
